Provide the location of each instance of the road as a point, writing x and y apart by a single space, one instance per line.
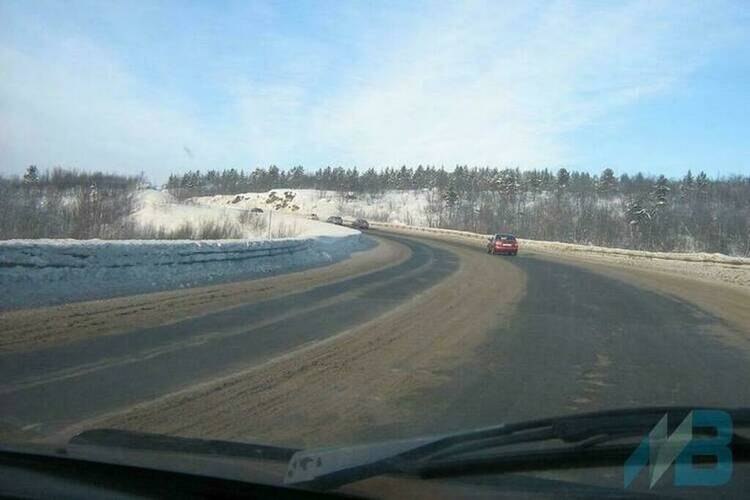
446 337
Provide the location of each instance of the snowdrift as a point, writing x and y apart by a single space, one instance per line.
48 272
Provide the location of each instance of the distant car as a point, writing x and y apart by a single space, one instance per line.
256 210
502 243
361 224
335 219
313 217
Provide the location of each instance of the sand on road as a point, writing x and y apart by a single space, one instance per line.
27 329
362 381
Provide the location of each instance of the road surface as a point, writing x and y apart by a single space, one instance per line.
441 337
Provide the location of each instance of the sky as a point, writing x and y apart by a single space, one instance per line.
160 87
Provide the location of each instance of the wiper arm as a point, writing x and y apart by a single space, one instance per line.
585 430
588 435
330 468
584 455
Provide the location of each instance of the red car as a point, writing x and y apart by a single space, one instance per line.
503 244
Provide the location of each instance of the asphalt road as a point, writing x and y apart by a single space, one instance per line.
580 341
575 341
50 388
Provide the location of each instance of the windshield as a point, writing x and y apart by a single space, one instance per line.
277 222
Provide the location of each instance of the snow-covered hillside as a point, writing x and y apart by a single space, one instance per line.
157 209
407 207
394 210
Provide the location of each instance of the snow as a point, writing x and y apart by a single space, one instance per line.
391 206
159 209
405 210
712 267
46 272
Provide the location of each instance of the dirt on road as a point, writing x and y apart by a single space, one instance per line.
383 378
27 329
719 288
363 380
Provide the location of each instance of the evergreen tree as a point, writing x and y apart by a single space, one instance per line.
607 182
31 176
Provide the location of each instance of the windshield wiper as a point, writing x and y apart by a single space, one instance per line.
583 437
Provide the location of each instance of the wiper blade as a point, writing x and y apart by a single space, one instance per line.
568 457
329 468
584 430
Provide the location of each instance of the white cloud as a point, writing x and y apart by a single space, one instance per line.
471 82
77 107
491 85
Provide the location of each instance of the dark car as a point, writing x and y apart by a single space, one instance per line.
361 224
256 210
335 219
502 243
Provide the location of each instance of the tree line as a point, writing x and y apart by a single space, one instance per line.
650 212
65 203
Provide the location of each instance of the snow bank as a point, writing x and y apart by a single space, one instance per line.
716 258
709 266
47 272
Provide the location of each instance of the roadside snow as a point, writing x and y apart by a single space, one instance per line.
395 210
712 267
47 272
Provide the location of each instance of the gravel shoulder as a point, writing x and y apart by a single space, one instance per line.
28 329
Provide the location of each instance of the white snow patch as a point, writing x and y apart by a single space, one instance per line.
159 209
408 207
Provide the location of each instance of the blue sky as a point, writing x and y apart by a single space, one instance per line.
169 86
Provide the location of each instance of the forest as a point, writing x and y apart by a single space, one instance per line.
648 212
66 203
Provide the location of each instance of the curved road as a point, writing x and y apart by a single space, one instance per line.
447 338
